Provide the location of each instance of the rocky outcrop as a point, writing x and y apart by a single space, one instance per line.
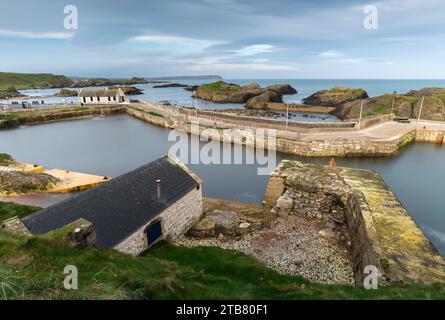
10 92
171 85
101 82
282 89
428 91
15 182
129 90
222 92
401 105
66 93
6 160
262 101
335 96
252 94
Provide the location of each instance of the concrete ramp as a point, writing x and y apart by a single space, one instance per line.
75 181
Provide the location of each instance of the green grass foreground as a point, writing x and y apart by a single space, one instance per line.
32 268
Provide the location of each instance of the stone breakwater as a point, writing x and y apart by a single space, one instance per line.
42 115
284 142
381 231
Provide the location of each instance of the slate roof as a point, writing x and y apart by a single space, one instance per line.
99 93
121 206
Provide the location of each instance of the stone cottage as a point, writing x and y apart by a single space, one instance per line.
104 96
160 200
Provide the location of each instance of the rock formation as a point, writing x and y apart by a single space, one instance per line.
129 90
252 94
335 96
10 92
21 182
66 93
428 91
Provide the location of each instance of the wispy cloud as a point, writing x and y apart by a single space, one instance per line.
243 66
331 54
167 39
254 49
36 35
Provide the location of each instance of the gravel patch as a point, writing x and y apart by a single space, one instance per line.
292 246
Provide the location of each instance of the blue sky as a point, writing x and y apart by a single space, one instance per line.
233 38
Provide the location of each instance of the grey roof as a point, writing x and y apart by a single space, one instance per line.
121 206
99 93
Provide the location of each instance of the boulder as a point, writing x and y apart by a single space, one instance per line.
335 96
225 220
203 228
285 203
80 234
262 101
282 89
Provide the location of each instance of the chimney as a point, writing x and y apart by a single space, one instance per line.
158 188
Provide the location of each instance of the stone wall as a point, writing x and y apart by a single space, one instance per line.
365 245
313 148
431 136
175 221
344 148
42 115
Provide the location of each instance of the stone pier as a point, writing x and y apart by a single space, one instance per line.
382 232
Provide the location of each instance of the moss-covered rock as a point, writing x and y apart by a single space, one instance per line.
66 93
16 182
335 96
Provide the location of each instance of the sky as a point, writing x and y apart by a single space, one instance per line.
237 39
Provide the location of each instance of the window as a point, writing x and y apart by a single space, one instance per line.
84 100
153 232
91 98
114 98
109 98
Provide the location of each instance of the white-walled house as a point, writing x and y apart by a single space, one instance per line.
102 96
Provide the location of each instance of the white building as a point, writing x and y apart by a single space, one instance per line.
103 96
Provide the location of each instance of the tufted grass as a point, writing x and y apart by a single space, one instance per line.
32 268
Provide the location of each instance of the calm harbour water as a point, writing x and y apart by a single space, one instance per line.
114 145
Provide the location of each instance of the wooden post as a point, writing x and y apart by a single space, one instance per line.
361 114
287 114
420 111
393 102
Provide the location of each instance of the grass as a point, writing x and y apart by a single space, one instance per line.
11 116
220 86
10 209
32 80
377 110
155 114
6 159
32 268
